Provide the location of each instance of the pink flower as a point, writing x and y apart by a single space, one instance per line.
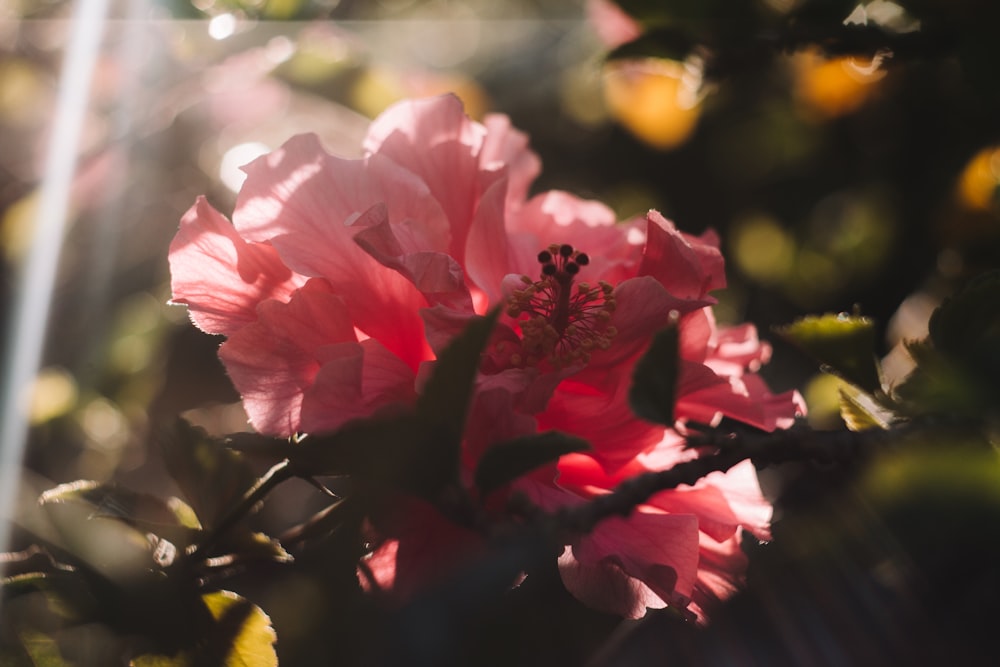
339 280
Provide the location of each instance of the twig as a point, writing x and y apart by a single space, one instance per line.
278 473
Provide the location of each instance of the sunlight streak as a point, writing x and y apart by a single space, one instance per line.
37 274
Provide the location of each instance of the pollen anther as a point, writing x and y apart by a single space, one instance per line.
558 323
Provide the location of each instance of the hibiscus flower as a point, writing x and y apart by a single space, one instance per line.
339 280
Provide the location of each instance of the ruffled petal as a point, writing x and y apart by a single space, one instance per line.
705 397
309 205
220 277
589 226
434 139
355 380
643 307
721 568
659 550
604 418
435 274
506 147
486 251
687 266
724 502
274 360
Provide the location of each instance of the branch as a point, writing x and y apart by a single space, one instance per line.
278 473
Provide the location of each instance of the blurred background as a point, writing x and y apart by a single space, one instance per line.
836 182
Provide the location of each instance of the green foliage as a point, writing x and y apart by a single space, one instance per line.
444 401
506 461
654 381
239 635
171 519
843 344
966 327
211 477
958 366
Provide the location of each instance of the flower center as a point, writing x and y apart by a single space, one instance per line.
561 321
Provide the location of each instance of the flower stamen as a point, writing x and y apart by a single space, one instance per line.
559 323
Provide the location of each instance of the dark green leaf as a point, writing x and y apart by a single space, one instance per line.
445 399
654 381
211 477
844 344
506 461
966 326
938 386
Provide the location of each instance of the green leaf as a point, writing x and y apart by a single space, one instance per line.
844 344
240 635
444 401
142 511
43 649
506 461
654 380
211 477
68 593
966 326
938 386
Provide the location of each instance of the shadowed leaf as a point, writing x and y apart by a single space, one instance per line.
211 477
445 398
170 519
240 635
654 381
506 461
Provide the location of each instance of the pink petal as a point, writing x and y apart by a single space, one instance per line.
308 204
434 139
486 253
219 276
660 550
505 146
355 380
737 349
606 586
723 502
589 226
721 568
604 418
745 399
438 277
643 308
274 360
688 267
